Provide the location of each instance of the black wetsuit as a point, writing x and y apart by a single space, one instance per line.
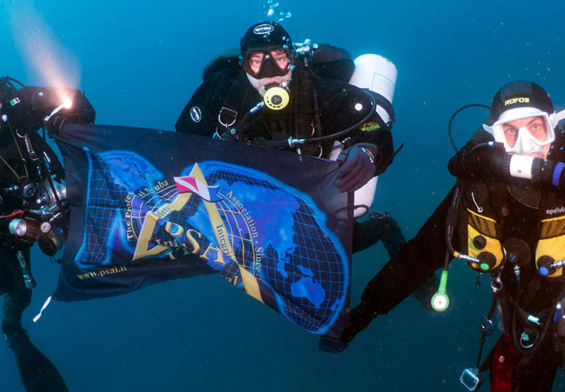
23 112
518 207
340 106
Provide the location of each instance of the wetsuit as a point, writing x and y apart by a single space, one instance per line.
23 163
318 107
523 212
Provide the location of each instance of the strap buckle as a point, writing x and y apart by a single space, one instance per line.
227 117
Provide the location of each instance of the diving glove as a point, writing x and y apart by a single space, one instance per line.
359 319
357 168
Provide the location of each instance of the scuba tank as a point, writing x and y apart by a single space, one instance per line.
377 75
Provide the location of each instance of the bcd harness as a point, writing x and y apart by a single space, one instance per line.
303 130
483 209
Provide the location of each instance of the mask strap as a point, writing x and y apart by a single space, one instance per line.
560 115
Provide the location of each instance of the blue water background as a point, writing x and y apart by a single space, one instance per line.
139 63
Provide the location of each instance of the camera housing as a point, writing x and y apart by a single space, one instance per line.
471 379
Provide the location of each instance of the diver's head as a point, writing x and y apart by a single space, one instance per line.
523 119
266 55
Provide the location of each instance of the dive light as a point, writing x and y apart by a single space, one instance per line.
66 104
440 300
27 229
29 281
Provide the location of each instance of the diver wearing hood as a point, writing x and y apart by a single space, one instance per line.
297 97
32 208
275 99
505 217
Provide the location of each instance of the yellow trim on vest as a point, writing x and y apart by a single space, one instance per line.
552 242
479 225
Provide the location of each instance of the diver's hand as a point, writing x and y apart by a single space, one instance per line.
357 168
481 161
359 319
56 122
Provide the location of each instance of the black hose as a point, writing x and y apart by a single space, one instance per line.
453 117
333 136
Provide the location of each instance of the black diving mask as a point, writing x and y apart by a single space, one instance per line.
268 63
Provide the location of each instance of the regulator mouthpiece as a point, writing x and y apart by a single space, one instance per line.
276 97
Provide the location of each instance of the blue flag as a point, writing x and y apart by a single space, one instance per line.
149 206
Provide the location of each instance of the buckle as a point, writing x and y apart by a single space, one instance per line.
227 117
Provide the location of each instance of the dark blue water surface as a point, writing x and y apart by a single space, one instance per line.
140 61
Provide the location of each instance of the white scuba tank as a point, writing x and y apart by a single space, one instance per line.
377 74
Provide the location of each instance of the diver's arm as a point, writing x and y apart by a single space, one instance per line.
374 135
404 273
42 147
473 160
51 108
380 144
487 160
58 105
364 158
368 147
412 265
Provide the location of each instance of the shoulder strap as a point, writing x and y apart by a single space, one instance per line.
233 106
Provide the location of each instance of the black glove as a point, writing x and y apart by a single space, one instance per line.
57 121
359 319
357 168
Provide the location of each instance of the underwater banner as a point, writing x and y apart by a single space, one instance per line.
149 206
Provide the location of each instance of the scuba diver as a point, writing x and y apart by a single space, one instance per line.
297 97
313 100
505 217
271 96
32 208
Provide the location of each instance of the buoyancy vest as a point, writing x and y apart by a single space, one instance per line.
484 228
301 119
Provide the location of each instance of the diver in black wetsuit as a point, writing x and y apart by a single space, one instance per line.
505 217
294 97
275 99
319 111
32 208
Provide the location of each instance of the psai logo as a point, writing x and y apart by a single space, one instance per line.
263 29
177 225
512 101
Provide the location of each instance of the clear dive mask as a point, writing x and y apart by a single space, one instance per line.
269 67
525 142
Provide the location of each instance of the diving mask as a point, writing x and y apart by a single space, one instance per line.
268 63
529 138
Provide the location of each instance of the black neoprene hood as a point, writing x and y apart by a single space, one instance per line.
520 94
265 36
